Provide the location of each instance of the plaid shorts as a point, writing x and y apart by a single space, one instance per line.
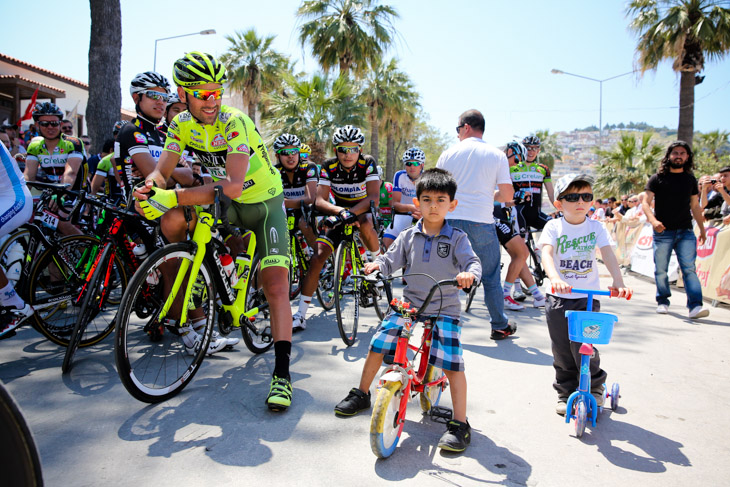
446 350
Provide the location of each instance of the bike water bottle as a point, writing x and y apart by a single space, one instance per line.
243 264
140 251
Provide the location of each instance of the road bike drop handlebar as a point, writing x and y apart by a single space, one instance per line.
55 189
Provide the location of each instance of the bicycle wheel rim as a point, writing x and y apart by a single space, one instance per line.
257 331
347 295
154 367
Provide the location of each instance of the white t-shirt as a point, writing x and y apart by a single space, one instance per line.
575 252
478 168
600 214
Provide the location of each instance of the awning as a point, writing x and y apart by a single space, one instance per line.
25 88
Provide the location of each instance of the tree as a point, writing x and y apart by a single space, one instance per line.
105 66
626 168
253 67
429 139
349 34
712 152
549 149
685 31
312 109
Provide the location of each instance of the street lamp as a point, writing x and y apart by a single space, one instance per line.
205 32
600 97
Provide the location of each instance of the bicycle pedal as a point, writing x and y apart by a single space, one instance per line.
440 414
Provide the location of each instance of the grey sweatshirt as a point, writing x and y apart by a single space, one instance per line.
442 256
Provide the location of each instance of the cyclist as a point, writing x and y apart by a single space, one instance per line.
404 190
353 179
304 152
105 175
385 207
16 205
139 143
174 106
228 143
510 238
299 179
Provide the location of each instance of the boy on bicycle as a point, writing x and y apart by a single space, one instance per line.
432 247
569 256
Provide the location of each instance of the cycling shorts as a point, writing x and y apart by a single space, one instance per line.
505 231
530 215
267 220
446 352
400 223
16 208
333 236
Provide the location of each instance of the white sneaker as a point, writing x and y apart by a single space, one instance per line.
517 294
230 341
298 323
698 312
511 304
539 302
192 341
663 309
19 315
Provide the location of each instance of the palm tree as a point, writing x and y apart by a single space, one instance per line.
105 54
712 152
253 67
550 151
685 31
627 167
312 109
349 34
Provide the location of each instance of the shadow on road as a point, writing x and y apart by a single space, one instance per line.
509 350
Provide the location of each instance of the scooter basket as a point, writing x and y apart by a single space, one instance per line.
590 326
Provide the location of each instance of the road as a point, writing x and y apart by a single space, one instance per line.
670 429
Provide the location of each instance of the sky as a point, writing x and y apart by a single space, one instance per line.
491 55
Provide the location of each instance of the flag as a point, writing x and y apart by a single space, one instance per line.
29 111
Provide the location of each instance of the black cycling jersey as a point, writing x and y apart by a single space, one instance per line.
348 187
304 173
136 137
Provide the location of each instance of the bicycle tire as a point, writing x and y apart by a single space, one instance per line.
347 295
386 422
431 396
257 332
87 330
326 284
470 296
380 298
20 236
56 300
21 464
581 416
297 273
152 361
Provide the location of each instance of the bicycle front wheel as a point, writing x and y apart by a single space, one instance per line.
12 254
347 293
256 330
386 423
154 360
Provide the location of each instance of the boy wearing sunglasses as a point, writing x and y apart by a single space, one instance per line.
569 256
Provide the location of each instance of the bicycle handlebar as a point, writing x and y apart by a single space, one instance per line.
612 293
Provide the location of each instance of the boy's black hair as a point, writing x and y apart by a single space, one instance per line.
438 181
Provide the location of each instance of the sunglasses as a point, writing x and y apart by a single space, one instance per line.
412 163
347 150
303 155
574 197
288 152
533 147
205 94
458 128
49 124
156 95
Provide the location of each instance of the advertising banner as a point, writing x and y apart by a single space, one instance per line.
642 257
713 264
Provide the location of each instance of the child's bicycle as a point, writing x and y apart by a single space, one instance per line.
589 328
405 378
153 361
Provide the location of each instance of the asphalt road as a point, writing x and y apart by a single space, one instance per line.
670 429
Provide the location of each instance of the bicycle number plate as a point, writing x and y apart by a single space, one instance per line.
49 220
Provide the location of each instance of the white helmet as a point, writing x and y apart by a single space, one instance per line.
286 139
148 80
414 154
348 133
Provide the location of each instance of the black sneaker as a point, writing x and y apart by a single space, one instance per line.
504 332
355 402
457 436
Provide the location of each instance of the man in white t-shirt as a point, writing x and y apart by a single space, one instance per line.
482 174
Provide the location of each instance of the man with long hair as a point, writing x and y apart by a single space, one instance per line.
677 202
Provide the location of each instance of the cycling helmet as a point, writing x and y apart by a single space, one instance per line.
531 140
172 99
118 127
414 154
380 172
148 80
286 139
519 150
348 133
197 68
305 151
46 108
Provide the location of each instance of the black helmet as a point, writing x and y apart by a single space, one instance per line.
47 108
531 140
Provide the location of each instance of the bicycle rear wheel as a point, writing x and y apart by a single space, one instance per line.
347 293
386 422
154 362
21 463
97 314
431 396
56 281
256 330
326 284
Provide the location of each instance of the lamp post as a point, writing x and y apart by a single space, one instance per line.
205 32
600 97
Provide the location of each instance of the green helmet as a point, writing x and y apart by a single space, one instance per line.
198 68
